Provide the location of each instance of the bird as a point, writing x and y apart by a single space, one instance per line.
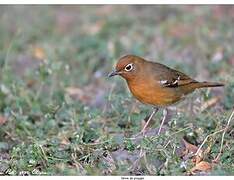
156 84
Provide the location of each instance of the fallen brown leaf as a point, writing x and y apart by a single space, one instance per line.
191 149
39 53
201 166
31 82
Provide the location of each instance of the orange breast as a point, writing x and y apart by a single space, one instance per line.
154 94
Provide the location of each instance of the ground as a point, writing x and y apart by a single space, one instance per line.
61 115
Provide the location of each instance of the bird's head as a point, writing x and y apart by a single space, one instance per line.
128 67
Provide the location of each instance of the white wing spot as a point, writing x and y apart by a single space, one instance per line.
176 81
163 81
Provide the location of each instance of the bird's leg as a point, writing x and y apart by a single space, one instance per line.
155 110
164 117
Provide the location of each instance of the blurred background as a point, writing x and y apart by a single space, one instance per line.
60 114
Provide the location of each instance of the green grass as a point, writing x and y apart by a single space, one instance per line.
51 132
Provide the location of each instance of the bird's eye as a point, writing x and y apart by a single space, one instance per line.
129 67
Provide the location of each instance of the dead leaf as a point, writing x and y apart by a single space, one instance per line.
2 120
190 147
190 150
39 53
201 166
31 83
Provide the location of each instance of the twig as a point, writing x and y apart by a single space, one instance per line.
180 131
224 132
164 147
198 150
44 154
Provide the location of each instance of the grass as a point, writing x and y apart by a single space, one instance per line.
60 113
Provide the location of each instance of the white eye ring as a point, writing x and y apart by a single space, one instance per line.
128 67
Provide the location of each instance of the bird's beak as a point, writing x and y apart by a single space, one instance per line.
113 73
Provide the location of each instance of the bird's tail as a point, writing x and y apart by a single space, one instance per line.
208 84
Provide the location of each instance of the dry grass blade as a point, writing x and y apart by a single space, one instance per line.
212 134
209 103
224 132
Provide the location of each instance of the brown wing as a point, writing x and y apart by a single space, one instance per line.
171 78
